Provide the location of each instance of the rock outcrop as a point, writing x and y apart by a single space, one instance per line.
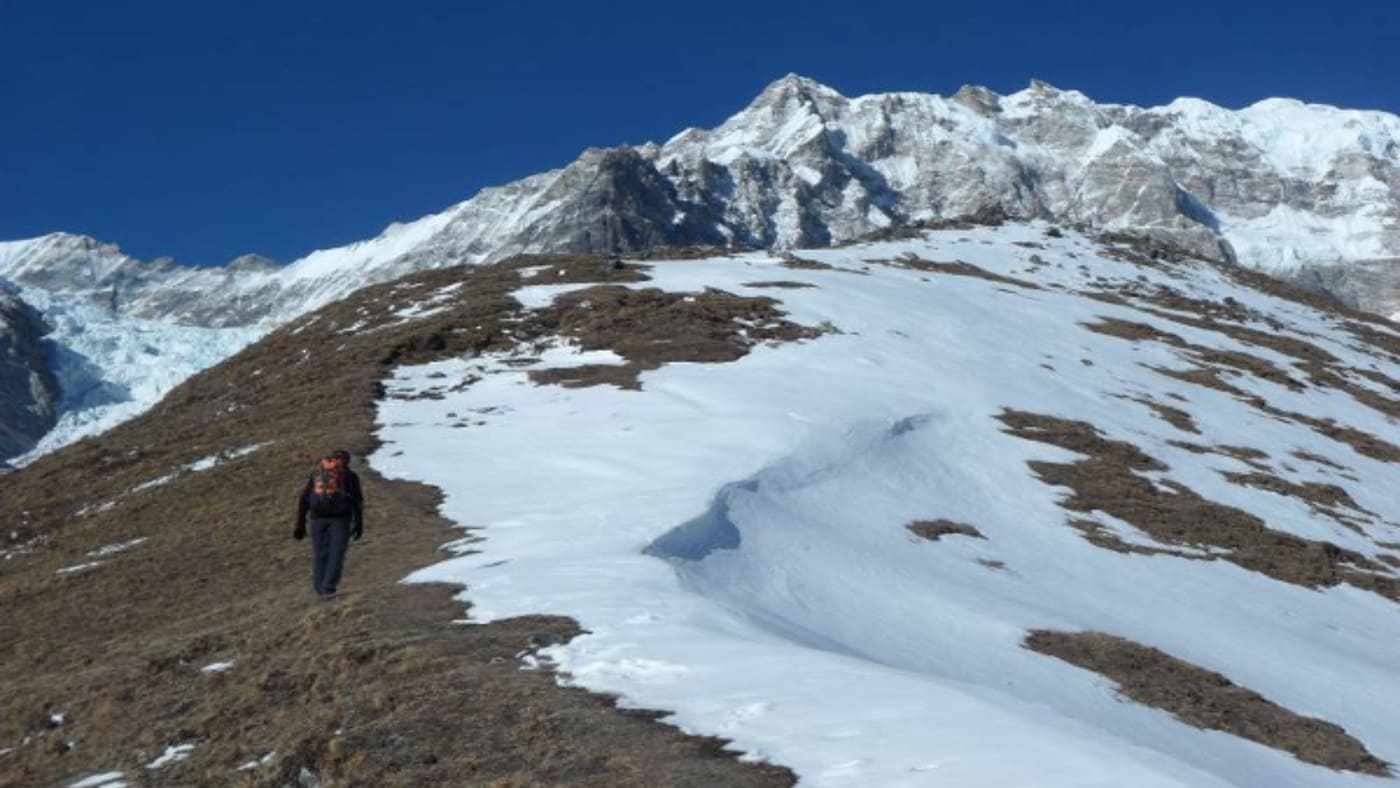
29 393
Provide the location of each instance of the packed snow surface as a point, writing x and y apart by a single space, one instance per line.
173 753
732 537
104 780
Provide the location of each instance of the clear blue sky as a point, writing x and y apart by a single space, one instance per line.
208 129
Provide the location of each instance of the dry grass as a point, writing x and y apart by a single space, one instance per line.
1246 454
956 268
1174 416
1176 516
933 530
1207 699
374 688
780 284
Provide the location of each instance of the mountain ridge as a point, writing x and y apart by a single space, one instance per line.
1309 192
803 165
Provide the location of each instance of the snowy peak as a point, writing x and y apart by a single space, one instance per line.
1279 185
793 92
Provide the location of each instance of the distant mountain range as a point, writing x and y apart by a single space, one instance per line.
1299 190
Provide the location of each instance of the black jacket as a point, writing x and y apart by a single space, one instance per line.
352 486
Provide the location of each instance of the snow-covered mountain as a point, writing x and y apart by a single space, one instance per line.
1294 189
1277 185
102 336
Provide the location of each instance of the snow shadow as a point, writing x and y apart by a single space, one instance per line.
714 530
80 381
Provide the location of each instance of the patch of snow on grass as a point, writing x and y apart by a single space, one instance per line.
217 667
541 296
173 753
256 762
69 570
104 780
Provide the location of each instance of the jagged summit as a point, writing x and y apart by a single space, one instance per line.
1297 189
1279 185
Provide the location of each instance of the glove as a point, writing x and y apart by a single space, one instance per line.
357 530
299 533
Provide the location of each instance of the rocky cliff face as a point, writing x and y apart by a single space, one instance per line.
29 394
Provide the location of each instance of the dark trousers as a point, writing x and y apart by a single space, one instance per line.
330 537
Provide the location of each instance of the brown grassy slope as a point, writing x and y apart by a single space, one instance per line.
1206 699
374 688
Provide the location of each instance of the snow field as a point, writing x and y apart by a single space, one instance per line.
732 536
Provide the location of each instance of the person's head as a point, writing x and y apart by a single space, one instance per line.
343 456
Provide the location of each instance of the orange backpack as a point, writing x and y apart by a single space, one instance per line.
330 496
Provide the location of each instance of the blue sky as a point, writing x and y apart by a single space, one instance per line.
206 130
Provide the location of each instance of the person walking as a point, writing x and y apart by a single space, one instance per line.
333 500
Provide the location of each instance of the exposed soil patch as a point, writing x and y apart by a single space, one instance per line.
1246 362
1322 497
1363 442
1078 437
1199 375
1133 331
782 284
1207 699
1381 378
991 216
624 376
804 264
1318 459
547 270
1318 494
653 327
1370 329
1274 339
933 530
1246 454
1172 415
1206 356
1141 250
1102 537
688 252
373 688
1321 367
1177 516
1328 377
955 268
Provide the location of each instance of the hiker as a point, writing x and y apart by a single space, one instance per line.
333 499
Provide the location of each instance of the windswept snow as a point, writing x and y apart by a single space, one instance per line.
104 780
173 753
732 537
113 549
